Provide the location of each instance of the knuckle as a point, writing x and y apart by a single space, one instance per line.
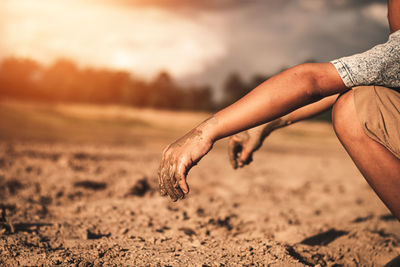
181 179
164 153
167 178
182 162
237 139
167 154
174 159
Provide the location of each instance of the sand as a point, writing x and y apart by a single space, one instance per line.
300 203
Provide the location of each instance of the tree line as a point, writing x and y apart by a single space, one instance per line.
64 81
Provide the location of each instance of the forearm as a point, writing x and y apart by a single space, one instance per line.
278 96
263 131
302 113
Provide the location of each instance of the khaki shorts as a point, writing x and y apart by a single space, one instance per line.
378 109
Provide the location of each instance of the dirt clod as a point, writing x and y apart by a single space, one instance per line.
187 231
141 187
13 186
92 235
262 214
323 239
91 185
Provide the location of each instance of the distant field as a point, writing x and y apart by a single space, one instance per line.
89 123
80 123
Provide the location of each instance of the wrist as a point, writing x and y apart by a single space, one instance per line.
257 131
276 124
208 130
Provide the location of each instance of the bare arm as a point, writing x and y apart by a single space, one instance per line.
302 113
242 145
311 110
278 96
394 15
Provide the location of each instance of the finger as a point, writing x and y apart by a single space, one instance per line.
237 151
244 157
177 190
163 191
169 185
165 149
241 164
161 186
181 178
232 152
249 159
166 184
172 184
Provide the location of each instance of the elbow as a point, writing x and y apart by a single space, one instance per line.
309 77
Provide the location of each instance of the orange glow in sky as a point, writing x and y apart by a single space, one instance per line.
142 40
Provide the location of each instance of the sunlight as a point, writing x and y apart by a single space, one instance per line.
140 40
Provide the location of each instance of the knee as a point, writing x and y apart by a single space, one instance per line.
344 118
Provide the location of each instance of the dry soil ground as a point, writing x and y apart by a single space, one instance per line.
78 187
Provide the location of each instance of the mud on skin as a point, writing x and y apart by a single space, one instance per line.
237 144
242 145
179 157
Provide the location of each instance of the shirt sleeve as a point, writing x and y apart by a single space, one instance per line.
377 66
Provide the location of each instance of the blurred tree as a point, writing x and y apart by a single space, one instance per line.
60 82
234 88
257 79
138 92
197 98
63 81
163 93
18 77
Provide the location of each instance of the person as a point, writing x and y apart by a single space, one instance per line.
363 90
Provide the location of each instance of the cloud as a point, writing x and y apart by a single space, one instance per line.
376 12
141 40
197 41
203 4
229 4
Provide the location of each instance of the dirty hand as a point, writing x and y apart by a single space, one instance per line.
178 158
241 146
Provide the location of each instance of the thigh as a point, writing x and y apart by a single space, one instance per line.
378 110
379 166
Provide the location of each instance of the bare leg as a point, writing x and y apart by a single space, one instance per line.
378 165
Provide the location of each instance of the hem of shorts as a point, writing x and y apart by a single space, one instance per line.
372 136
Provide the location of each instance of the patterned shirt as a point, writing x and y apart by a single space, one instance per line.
377 66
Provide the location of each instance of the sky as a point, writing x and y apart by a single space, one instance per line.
196 41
